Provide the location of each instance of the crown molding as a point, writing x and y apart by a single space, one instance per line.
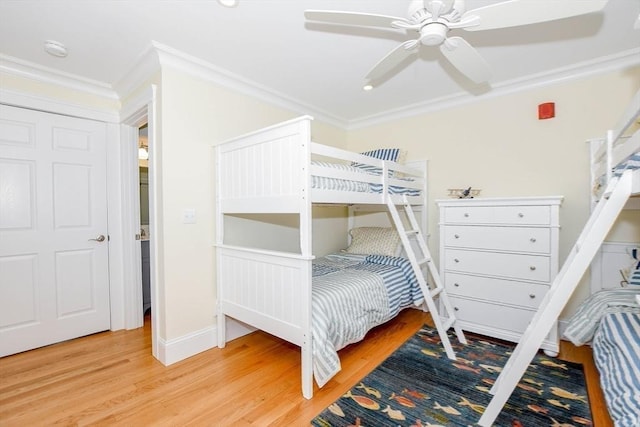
605 64
199 68
28 70
144 67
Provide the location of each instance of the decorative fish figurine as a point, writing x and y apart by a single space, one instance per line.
530 381
559 404
491 368
581 420
415 394
358 423
557 424
488 381
467 368
402 400
430 353
483 389
538 409
529 388
567 394
336 410
369 390
516 423
447 409
477 408
363 401
394 414
554 364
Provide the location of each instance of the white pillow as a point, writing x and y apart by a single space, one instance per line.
374 241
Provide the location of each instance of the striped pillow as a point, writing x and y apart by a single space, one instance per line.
391 154
374 241
634 278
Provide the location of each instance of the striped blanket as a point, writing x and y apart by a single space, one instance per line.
351 295
616 351
584 323
326 183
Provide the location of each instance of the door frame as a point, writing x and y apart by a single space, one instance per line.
134 114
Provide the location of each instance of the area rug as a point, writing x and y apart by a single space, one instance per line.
419 386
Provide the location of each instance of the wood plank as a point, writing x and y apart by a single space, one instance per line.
111 379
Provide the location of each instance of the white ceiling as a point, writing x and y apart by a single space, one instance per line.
317 65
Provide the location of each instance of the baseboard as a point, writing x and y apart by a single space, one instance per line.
177 349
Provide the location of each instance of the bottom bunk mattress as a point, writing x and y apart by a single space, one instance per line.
616 350
351 295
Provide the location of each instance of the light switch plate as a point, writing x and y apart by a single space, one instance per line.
188 216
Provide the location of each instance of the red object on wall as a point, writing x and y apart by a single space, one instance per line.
546 110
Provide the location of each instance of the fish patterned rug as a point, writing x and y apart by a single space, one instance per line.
419 386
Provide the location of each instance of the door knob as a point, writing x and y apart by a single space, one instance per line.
100 238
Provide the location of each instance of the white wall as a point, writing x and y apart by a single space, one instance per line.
499 145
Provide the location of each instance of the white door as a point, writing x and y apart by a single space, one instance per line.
54 282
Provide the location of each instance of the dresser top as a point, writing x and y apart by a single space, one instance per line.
503 201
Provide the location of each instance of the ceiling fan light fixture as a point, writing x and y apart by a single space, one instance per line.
433 34
367 87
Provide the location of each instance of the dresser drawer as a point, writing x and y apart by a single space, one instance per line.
491 315
517 215
515 266
536 240
503 291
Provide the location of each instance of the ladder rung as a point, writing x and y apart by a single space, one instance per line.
448 323
435 292
423 261
412 232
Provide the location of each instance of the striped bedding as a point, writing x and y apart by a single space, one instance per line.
326 183
351 295
616 351
584 323
610 320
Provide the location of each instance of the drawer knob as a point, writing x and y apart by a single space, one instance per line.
456 236
466 215
532 240
457 285
532 296
456 260
520 215
456 308
532 268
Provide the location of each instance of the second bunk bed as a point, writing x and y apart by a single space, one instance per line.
279 170
615 172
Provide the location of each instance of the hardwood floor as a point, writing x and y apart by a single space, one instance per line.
111 379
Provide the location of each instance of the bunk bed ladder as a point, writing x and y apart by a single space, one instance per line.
442 323
588 243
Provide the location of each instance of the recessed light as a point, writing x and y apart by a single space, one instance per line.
228 3
55 48
367 87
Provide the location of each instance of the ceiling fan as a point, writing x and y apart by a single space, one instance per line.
429 21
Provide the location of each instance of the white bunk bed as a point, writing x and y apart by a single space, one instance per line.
279 170
616 171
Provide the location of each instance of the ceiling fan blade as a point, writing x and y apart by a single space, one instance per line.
393 58
523 12
466 59
352 18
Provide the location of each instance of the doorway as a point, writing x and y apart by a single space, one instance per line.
145 235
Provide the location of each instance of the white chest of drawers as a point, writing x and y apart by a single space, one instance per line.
498 257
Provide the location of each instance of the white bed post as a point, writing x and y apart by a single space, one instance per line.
306 249
563 286
220 316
